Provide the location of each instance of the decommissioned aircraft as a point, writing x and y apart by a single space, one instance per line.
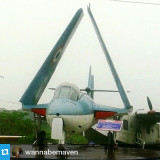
141 128
138 129
70 110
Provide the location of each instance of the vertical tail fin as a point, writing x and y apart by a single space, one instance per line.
122 92
90 86
40 81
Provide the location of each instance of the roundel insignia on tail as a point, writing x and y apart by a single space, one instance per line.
57 56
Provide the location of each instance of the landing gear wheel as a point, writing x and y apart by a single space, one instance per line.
41 140
40 136
61 147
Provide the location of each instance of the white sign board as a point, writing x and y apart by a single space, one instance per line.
109 125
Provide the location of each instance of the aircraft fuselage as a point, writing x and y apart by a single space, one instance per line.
77 116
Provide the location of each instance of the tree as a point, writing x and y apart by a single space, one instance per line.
15 123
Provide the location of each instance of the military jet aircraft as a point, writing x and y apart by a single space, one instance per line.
70 110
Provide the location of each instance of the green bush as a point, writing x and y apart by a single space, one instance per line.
19 123
15 123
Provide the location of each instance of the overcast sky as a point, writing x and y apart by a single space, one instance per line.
29 30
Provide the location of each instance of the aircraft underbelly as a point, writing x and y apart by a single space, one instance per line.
74 123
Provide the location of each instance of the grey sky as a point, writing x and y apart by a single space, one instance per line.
29 30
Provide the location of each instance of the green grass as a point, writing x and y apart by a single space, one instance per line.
70 139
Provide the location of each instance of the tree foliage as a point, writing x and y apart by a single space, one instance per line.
19 123
15 123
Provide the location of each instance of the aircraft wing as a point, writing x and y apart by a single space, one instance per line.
148 118
151 116
41 79
127 105
102 111
39 109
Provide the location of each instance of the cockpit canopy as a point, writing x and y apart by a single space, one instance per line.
67 91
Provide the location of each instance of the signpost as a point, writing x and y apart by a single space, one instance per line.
110 125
